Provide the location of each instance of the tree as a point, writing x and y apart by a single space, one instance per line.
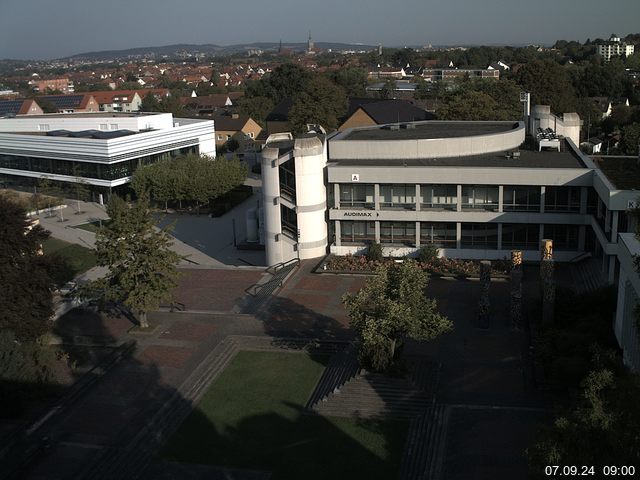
256 108
390 308
352 79
630 141
47 106
142 267
321 102
287 81
149 103
482 100
26 303
548 83
388 88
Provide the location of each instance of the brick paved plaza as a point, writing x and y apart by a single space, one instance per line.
483 387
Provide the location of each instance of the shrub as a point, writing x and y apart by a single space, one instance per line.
428 254
374 253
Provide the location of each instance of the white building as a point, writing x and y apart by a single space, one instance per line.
102 149
475 190
614 48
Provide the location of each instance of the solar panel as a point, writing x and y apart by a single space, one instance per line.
64 101
112 134
58 133
10 106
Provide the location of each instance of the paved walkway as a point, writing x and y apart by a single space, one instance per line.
91 212
484 389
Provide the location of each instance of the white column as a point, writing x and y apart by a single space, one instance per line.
418 234
500 202
376 197
336 195
458 235
271 205
459 200
337 232
418 197
542 200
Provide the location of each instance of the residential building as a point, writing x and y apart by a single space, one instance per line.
63 85
364 112
614 48
78 103
119 100
25 106
240 128
101 150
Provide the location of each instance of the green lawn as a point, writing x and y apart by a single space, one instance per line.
77 259
92 226
252 417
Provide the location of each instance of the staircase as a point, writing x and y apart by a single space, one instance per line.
375 395
342 367
425 447
586 275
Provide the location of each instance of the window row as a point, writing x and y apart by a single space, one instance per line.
101 171
473 235
474 197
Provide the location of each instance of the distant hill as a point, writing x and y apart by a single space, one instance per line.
185 50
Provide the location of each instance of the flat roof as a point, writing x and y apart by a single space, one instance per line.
87 115
623 172
566 158
429 130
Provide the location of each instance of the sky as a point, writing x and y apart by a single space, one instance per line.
46 29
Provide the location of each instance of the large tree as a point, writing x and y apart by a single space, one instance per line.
391 307
142 267
549 84
321 102
26 303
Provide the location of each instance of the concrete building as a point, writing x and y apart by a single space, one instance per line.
101 150
614 48
118 100
474 190
63 85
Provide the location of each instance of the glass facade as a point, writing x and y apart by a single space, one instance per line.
398 233
439 197
480 235
521 199
287 172
289 221
357 232
95 170
482 197
438 234
520 236
565 237
398 196
562 199
356 196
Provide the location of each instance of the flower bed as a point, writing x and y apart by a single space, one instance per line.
441 266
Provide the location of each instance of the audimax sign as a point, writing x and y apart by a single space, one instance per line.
359 214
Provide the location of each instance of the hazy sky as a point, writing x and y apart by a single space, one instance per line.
43 29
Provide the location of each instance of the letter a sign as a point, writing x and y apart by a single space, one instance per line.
355 177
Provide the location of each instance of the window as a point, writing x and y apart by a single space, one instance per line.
438 234
481 197
398 196
287 172
113 126
398 233
439 196
43 127
565 237
480 235
357 232
356 196
562 199
103 126
289 221
521 199
520 236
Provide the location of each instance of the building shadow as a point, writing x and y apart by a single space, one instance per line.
283 317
